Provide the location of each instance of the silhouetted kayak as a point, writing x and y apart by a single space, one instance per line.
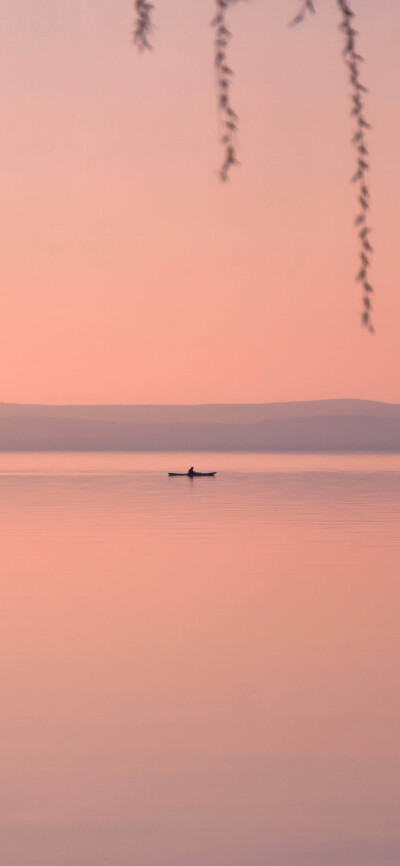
193 474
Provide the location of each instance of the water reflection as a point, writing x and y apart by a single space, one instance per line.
199 672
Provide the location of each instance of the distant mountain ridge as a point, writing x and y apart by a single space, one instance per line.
320 425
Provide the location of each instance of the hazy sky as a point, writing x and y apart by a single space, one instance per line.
128 272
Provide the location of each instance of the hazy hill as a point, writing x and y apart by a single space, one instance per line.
322 425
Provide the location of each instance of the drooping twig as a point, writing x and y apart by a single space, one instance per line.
353 62
224 73
229 118
306 6
143 24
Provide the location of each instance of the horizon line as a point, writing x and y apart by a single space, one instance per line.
192 405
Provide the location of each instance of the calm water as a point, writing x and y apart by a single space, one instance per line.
199 672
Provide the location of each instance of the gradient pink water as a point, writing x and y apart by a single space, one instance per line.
199 672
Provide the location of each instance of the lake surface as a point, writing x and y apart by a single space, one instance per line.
199 672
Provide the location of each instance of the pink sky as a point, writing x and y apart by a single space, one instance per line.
128 272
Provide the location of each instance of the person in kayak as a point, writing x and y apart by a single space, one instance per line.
191 472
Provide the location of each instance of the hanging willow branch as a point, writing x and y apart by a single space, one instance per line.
305 8
143 24
353 61
229 118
